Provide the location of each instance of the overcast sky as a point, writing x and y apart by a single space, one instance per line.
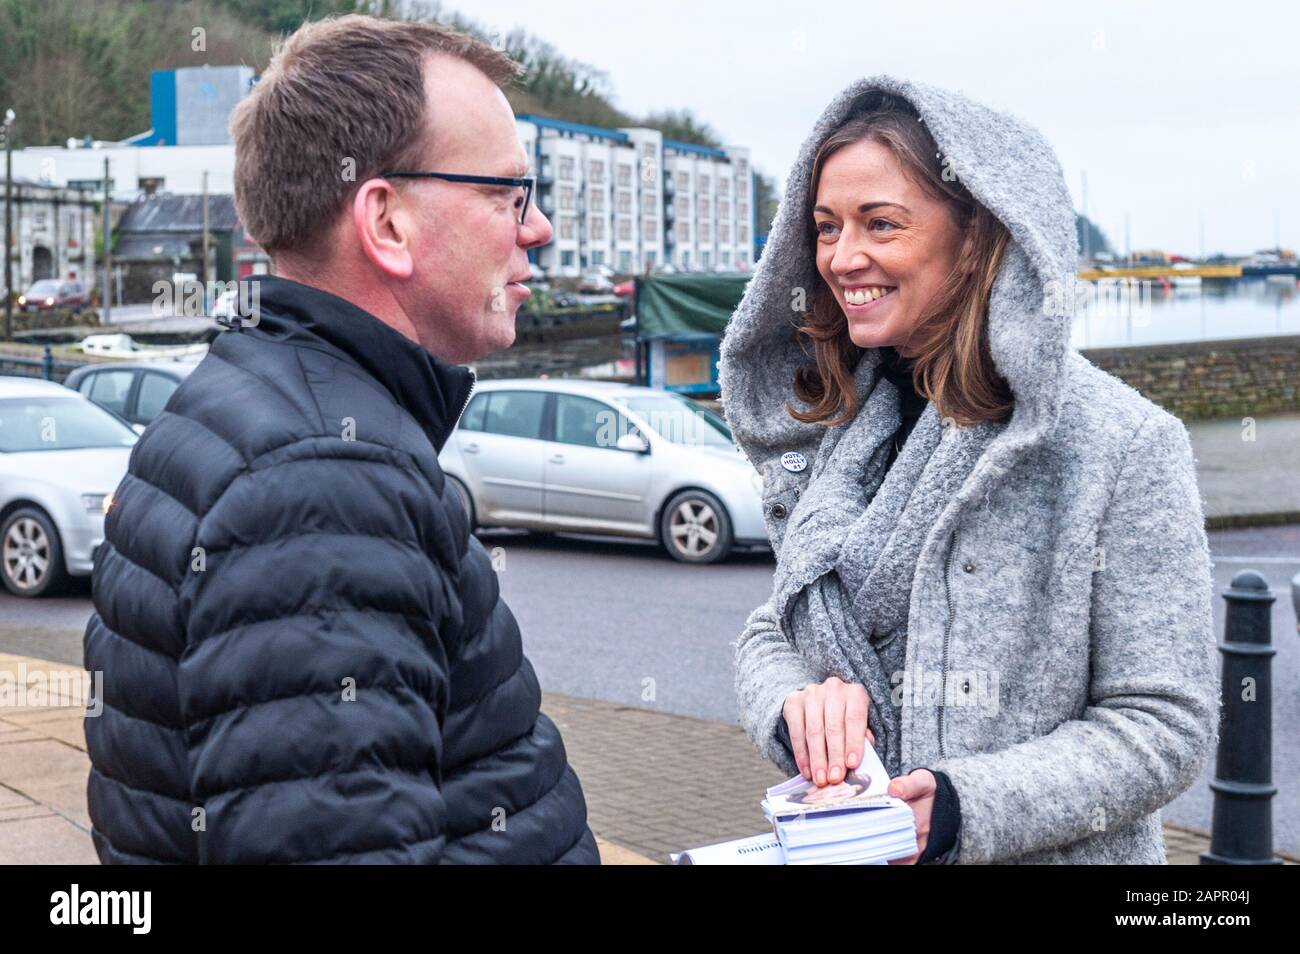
1174 110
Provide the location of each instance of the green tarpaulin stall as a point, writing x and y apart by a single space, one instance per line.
680 320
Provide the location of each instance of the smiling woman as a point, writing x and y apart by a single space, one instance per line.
905 257
1038 542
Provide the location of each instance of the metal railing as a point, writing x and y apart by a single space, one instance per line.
43 367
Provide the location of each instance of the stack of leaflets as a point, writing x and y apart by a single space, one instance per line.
856 822
853 822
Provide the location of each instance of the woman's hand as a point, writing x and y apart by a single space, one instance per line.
827 724
917 788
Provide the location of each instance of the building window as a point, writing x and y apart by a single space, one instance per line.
650 230
704 185
724 258
566 258
704 259
742 210
625 202
683 180
597 170
724 186
703 207
566 227
625 261
598 256
742 233
624 174
566 167
597 201
597 230
625 230
566 197
683 232
683 206
705 234
724 233
724 209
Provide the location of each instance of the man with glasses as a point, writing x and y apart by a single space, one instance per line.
305 653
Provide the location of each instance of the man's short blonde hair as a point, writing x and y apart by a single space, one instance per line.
342 100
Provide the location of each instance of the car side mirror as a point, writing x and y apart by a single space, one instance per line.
635 443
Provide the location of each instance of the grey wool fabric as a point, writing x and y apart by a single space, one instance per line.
1028 601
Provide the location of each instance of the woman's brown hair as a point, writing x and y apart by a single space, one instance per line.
951 362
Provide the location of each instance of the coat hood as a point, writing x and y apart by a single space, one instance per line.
1008 167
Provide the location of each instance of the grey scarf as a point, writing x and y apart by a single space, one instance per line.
843 586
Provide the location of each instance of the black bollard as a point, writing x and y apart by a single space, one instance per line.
1242 830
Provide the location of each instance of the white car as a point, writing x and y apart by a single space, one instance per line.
605 458
61 458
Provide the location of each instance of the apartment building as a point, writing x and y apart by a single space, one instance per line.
634 201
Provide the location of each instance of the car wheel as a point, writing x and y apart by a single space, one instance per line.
31 556
466 501
694 528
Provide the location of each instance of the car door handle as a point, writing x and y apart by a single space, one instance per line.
557 458
470 448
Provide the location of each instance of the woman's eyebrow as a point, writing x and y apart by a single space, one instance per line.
866 207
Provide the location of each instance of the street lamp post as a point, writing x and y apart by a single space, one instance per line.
9 226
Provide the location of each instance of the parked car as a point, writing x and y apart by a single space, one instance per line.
61 458
625 289
135 391
594 280
49 293
604 458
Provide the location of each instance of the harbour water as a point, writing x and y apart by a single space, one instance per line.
1146 312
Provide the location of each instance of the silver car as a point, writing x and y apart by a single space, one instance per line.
61 457
134 390
595 457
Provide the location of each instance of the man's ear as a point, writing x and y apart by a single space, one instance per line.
383 227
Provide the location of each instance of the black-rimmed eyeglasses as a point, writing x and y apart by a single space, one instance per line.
527 183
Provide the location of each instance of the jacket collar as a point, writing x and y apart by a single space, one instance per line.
432 390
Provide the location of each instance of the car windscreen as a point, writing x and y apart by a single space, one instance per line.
44 288
58 423
679 420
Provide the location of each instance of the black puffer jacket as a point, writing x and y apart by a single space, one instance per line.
305 654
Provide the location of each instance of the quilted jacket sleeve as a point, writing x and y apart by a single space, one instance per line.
1152 716
314 683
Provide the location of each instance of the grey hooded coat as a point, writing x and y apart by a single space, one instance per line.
1067 580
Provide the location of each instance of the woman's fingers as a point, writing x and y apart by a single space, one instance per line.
833 707
814 727
855 724
827 724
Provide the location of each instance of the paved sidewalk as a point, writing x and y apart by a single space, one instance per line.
1248 477
655 782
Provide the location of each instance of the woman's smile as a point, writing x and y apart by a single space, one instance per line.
861 299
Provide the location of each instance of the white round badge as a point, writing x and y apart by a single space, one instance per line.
793 461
